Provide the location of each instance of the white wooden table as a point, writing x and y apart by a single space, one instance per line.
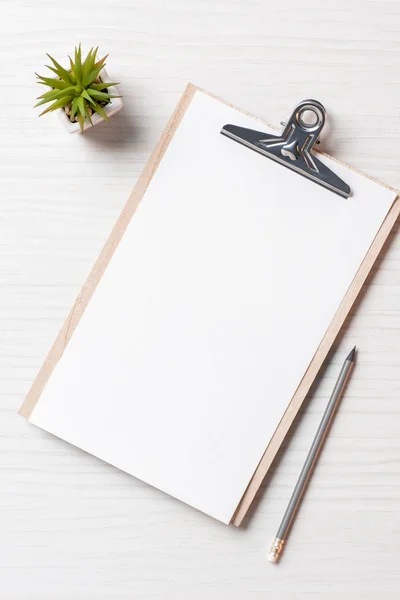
74 528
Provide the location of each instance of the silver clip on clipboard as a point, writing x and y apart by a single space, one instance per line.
293 149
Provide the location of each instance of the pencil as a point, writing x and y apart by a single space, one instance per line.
311 460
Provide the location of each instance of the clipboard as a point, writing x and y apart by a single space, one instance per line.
100 267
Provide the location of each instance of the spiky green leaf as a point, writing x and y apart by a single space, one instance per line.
101 95
88 63
100 111
83 111
57 73
87 97
52 82
93 75
101 62
72 79
103 85
87 114
48 94
56 95
93 59
81 106
81 122
73 71
74 108
78 65
58 104
61 72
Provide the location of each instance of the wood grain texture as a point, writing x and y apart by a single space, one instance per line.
73 527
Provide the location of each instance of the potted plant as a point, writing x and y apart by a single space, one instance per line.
82 94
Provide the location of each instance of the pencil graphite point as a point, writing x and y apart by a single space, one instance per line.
352 354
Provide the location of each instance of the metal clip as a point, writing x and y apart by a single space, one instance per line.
293 148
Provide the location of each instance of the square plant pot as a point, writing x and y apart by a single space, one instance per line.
110 109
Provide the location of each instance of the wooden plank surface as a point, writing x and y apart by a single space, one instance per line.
72 527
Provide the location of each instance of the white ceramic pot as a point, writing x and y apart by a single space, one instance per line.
110 109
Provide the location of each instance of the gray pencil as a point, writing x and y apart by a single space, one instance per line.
311 459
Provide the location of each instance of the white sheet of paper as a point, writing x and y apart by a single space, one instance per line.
174 371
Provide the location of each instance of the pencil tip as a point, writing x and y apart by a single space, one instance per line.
352 354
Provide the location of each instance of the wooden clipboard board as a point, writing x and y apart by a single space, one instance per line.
106 254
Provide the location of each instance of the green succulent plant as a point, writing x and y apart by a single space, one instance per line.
79 90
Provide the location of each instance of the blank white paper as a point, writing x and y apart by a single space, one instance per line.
173 373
